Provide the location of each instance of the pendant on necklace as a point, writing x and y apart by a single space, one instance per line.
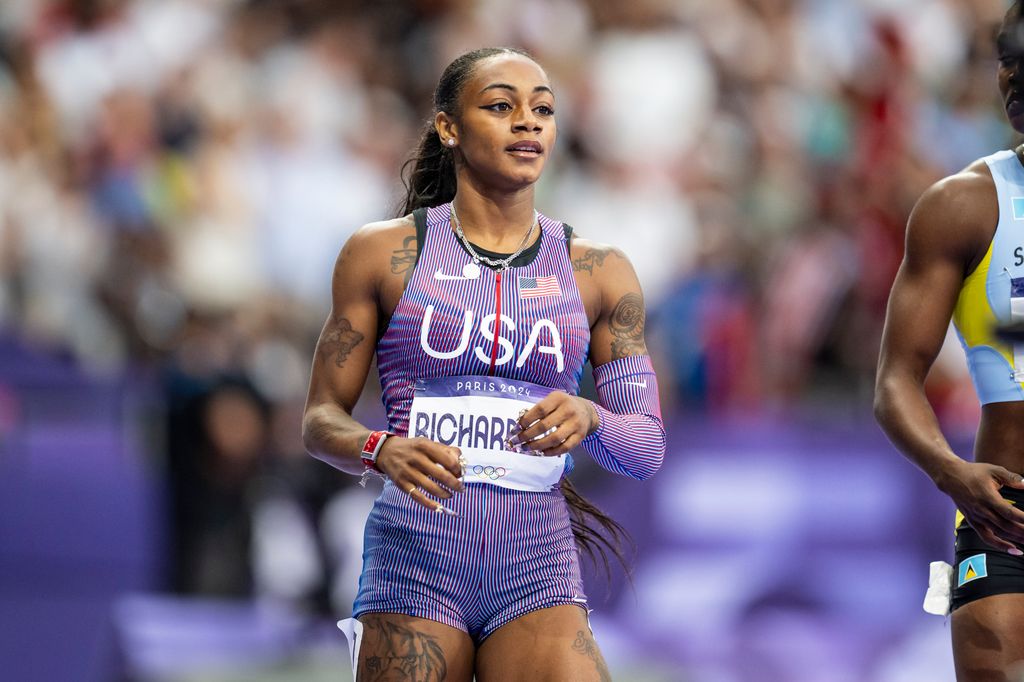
471 271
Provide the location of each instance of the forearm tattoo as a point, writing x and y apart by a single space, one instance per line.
400 652
586 646
627 327
340 340
403 260
589 260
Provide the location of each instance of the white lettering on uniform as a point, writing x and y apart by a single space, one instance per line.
467 324
487 332
555 349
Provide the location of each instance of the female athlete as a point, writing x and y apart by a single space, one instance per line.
965 259
482 313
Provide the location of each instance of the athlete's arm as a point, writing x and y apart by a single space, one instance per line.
623 432
946 236
340 365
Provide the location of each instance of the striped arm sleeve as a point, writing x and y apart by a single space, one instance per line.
630 439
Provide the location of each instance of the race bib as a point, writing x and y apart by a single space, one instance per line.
477 414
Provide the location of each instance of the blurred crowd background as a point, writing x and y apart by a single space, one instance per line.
177 177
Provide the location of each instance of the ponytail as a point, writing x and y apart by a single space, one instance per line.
429 174
594 544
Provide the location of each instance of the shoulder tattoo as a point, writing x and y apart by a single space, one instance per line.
590 259
403 259
340 339
626 324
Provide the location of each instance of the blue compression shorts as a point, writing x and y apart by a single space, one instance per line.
507 553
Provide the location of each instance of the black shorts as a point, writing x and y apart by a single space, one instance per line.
981 570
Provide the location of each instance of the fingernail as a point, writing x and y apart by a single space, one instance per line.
443 509
1015 551
523 411
516 428
537 453
514 440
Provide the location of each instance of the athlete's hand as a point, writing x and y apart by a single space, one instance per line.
556 424
974 487
421 467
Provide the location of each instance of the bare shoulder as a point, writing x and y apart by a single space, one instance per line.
383 233
958 213
591 258
374 248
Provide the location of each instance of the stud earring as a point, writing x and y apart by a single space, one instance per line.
451 142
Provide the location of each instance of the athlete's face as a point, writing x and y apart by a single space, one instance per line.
1010 51
505 129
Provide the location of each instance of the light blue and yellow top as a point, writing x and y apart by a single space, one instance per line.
994 293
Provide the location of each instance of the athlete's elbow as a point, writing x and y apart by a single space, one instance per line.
313 429
880 409
308 430
654 456
659 459
645 472
884 400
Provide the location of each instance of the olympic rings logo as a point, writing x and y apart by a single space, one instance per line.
493 473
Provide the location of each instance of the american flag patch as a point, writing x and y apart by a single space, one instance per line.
536 287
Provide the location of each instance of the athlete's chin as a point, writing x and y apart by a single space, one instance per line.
1017 122
1015 114
524 177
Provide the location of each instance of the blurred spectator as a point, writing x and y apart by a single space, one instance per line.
214 495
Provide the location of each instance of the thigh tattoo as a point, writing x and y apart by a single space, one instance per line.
401 650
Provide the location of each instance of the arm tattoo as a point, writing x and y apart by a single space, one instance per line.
340 340
627 327
586 646
590 259
400 652
403 260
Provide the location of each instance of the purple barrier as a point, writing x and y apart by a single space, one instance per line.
79 518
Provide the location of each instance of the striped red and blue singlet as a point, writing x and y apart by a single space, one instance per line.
507 552
445 326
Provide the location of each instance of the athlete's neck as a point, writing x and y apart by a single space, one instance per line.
496 223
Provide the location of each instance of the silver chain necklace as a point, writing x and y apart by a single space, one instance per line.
497 264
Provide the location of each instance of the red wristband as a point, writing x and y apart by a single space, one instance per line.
371 448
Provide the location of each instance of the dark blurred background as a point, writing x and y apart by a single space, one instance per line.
177 176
